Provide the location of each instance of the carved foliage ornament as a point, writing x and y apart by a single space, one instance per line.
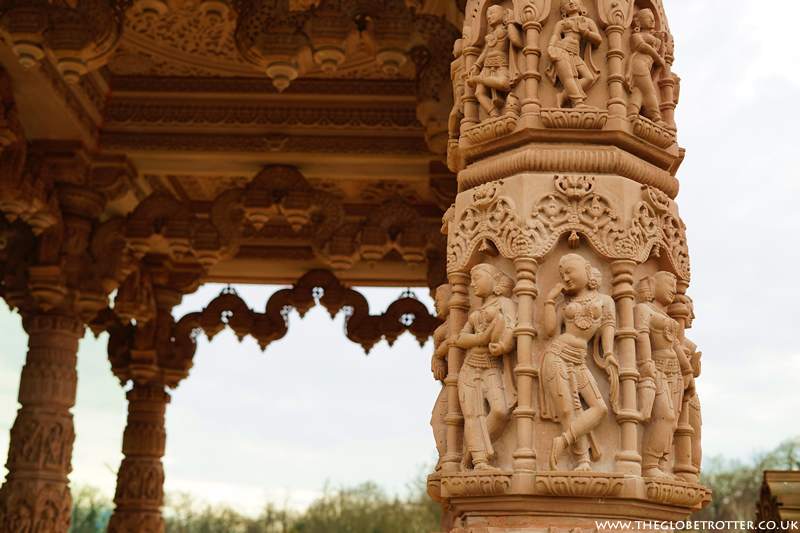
574 208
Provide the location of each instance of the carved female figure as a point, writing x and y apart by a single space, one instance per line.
664 370
648 48
577 75
485 376
439 369
494 72
564 377
695 415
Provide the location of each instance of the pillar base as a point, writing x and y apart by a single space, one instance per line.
488 502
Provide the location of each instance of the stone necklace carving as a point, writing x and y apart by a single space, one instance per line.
584 318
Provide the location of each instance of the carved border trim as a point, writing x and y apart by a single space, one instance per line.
214 113
599 160
165 142
264 86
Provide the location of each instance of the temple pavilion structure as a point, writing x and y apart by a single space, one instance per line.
516 157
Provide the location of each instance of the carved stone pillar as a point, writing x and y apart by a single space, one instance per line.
35 496
152 355
571 375
140 480
684 467
525 371
459 309
628 460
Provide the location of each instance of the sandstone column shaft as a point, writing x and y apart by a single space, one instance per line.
459 313
140 480
628 460
525 371
616 90
36 496
531 104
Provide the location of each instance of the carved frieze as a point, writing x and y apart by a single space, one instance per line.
576 208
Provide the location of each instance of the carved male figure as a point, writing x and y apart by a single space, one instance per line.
439 369
488 337
648 48
577 75
494 72
565 379
664 370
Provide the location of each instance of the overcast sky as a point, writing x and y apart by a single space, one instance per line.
247 426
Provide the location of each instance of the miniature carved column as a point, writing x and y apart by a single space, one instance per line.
459 310
525 371
35 496
616 79
140 480
628 460
683 434
532 76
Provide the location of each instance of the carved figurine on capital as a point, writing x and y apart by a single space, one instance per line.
648 50
495 71
666 374
577 75
566 382
486 375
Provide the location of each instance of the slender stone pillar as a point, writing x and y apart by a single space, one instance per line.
140 480
525 371
628 460
679 310
459 309
36 496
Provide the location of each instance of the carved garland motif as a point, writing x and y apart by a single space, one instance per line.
574 208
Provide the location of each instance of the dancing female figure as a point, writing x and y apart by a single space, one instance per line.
664 369
485 376
577 75
565 378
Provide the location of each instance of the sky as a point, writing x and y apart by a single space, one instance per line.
247 426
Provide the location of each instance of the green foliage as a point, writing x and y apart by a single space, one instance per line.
361 509
736 486
90 510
